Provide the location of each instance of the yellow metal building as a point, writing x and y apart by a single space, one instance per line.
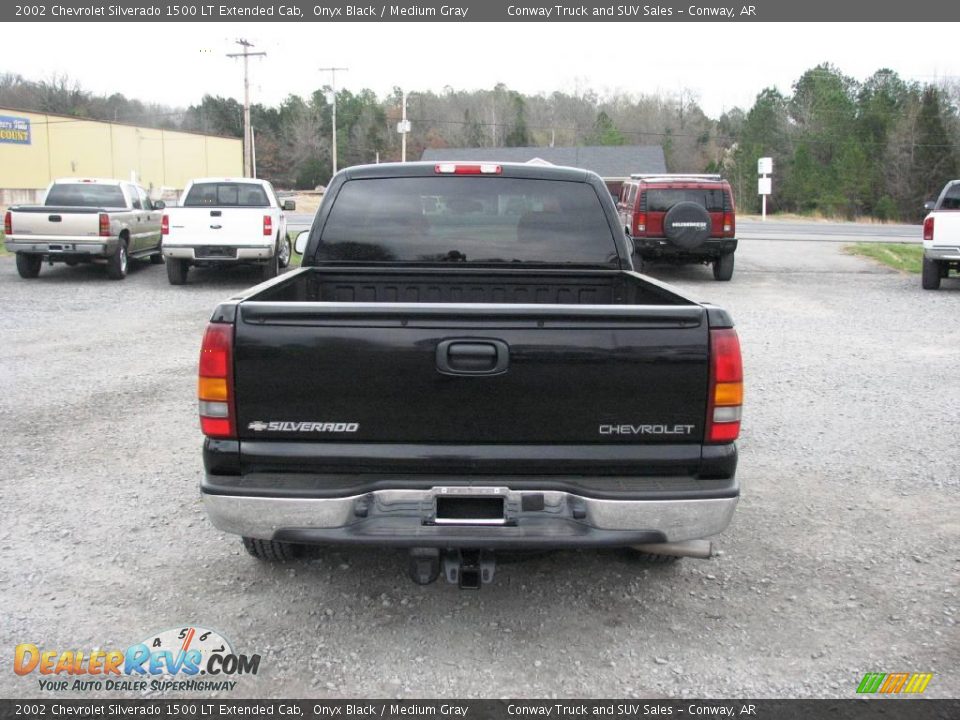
36 148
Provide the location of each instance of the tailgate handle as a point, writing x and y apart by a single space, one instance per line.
472 357
54 218
215 213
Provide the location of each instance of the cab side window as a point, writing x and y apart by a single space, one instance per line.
144 199
134 197
272 194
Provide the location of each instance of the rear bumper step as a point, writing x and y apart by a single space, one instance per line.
409 518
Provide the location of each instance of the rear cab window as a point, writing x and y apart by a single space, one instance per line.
951 198
467 219
226 194
93 195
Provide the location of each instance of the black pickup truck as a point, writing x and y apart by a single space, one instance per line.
466 362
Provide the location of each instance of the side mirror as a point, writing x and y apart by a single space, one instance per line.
159 205
929 205
631 244
289 205
301 242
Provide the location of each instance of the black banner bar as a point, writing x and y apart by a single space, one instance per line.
854 709
483 11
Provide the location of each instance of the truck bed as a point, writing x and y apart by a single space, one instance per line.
472 285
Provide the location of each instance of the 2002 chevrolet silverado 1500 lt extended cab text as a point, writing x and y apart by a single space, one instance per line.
466 362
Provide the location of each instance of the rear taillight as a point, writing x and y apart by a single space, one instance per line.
104 225
729 227
927 228
215 386
726 387
165 225
641 223
8 223
267 226
458 169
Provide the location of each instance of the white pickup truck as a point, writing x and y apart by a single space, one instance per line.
82 221
941 236
226 221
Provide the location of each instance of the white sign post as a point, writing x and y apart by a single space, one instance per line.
764 183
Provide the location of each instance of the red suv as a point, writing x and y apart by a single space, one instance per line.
681 219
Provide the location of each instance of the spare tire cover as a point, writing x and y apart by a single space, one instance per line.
687 225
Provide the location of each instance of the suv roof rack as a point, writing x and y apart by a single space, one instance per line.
675 176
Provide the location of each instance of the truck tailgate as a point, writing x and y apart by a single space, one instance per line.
41 222
470 374
218 226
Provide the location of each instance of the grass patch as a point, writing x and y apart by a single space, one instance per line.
295 259
899 256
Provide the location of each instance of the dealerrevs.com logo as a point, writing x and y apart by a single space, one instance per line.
180 659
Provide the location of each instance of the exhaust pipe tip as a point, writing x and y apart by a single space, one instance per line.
702 549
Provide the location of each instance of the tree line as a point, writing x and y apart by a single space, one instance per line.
841 147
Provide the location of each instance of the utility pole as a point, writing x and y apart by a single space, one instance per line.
403 131
247 137
333 84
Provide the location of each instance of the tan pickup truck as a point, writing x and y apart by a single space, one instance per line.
83 221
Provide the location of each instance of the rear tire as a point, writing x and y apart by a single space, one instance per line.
271 550
271 268
117 263
930 276
29 265
723 267
284 250
177 271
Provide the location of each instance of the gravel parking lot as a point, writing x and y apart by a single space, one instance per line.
843 557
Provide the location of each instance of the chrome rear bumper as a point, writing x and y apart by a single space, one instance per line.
530 518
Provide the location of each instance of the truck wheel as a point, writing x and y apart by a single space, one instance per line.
284 251
177 271
271 268
723 267
29 265
929 278
271 550
117 263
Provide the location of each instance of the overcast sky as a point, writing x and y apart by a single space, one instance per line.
724 64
